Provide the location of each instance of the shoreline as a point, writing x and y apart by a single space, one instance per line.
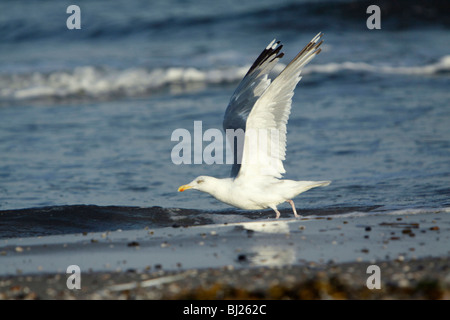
308 258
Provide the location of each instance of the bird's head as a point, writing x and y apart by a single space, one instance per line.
200 183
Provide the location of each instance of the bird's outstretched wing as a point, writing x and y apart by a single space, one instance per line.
252 86
265 133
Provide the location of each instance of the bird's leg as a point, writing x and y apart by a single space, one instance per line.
293 207
277 212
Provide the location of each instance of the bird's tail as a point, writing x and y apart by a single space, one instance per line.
306 185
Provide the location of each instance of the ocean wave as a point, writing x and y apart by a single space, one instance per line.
106 83
442 66
95 82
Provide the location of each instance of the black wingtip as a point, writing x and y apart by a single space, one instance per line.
272 51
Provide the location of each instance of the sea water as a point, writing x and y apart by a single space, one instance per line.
86 116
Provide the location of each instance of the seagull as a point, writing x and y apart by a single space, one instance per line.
260 108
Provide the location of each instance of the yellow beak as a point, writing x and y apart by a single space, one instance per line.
185 187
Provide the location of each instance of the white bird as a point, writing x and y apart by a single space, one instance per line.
261 108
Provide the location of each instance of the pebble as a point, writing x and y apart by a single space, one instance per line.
133 244
267 283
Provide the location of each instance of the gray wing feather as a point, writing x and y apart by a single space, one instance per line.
270 114
247 93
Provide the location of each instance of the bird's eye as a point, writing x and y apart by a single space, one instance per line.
200 181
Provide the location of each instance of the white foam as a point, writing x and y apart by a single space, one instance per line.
443 65
94 82
403 212
414 211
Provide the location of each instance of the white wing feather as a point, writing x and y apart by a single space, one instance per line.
265 134
255 82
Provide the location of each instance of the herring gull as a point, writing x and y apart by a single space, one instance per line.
261 108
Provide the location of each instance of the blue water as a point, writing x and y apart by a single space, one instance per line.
86 116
